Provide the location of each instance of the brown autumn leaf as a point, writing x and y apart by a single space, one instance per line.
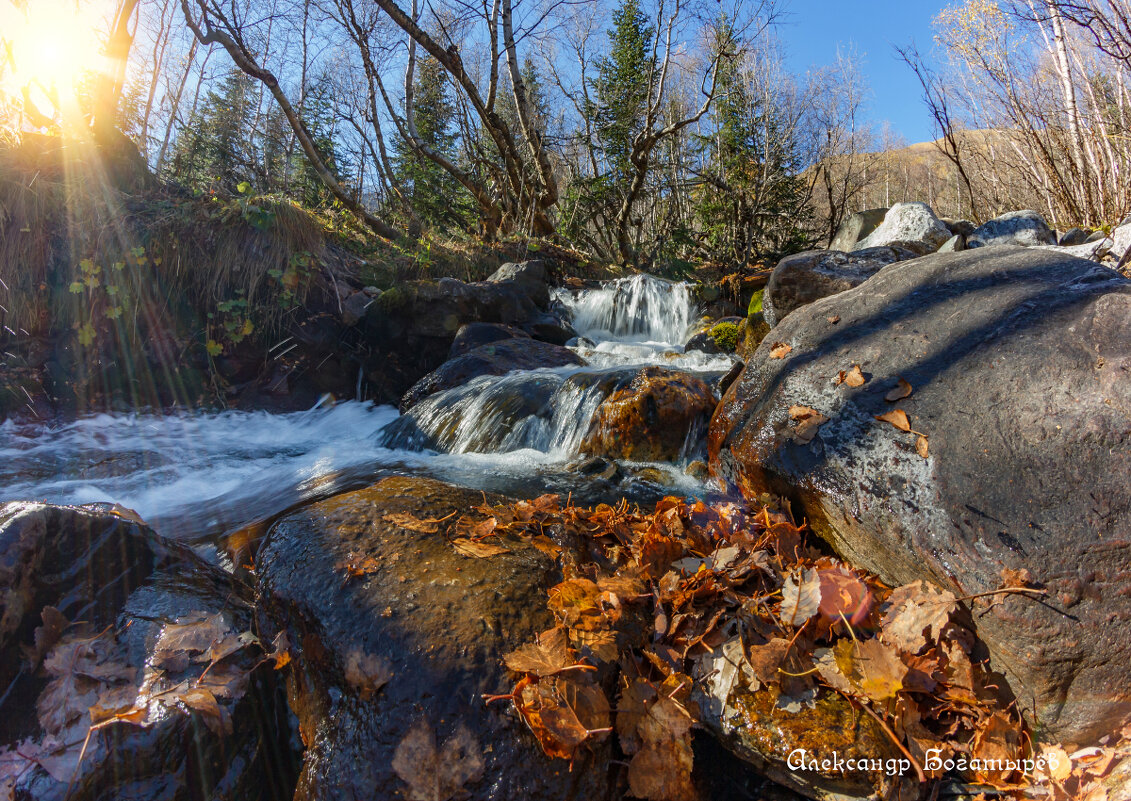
779 350
202 701
897 417
844 594
766 659
853 378
545 657
601 645
46 635
563 711
809 420
191 635
437 773
413 523
1016 579
80 667
476 548
998 739
280 650
801 596
825 660
872 667
576 602
661 771
902 390
921 446
367 673
916 613
358 565
833 318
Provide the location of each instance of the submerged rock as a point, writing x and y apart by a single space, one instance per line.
660 415
393 662
1019 366
801 279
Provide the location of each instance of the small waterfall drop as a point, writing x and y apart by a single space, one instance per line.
637 309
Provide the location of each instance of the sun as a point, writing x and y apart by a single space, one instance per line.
47 48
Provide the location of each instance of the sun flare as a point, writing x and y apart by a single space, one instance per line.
48 48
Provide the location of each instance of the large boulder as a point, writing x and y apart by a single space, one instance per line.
110 619
495 358
530 275
805 277
908 223
659 416
1019 363
1025 227
410 328
473 335
857 226
398 637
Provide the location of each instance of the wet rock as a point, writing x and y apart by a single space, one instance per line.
235 749
755 331
857 226
716 336
410 328
1025 227
551 329
408 649
83 562
750 720
496 358
1027 471
653 418
473 335
907 223
1073 236
698 470
803 278
734 372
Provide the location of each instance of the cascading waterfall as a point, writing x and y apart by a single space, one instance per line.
194 475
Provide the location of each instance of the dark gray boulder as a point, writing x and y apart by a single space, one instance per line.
1020 363
1025 227
1074 236
495 358
805 277
414 643
530 275
857 226
474 335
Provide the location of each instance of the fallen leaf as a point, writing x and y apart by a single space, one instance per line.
413 523
477 548
901 391
801 596
280 650
563 711
1016 579
766 659
437 774
834 319
204 702
844 595
547 656
808 422
879 672
853 378
358 565
897 418
921 446
916 613
367 673
779 350
190 635
45 636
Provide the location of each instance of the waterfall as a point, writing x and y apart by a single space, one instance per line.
637 309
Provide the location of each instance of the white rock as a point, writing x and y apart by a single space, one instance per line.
1025 227
908 222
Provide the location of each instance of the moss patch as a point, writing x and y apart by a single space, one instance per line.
755 306
725 337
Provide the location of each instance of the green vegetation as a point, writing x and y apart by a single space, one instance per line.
725 336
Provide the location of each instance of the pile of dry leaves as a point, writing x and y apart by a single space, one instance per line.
646 594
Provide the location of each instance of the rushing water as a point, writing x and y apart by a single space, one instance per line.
194 475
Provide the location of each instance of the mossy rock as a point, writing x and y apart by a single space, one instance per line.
755 330
755 305
725 336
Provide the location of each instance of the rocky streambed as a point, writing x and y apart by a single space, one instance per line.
308 610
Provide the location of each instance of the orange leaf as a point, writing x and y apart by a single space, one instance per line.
779 350
921 445
897 418
903 390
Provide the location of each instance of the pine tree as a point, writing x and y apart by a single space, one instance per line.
215 148
436 198
625 79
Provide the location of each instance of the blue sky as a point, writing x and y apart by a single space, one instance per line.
813 29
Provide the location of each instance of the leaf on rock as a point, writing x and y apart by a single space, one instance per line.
661 771
437 774
879 672
54 622
367 673
853 378
413 523
563 711
549 655
779 350
897 417
844 594
357 565
833 318
1016 579
916 613
766 659
477 548
808 421
999 738
576 602
801 596
825 660
921 446
191 634
202 701
280 650
899 392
